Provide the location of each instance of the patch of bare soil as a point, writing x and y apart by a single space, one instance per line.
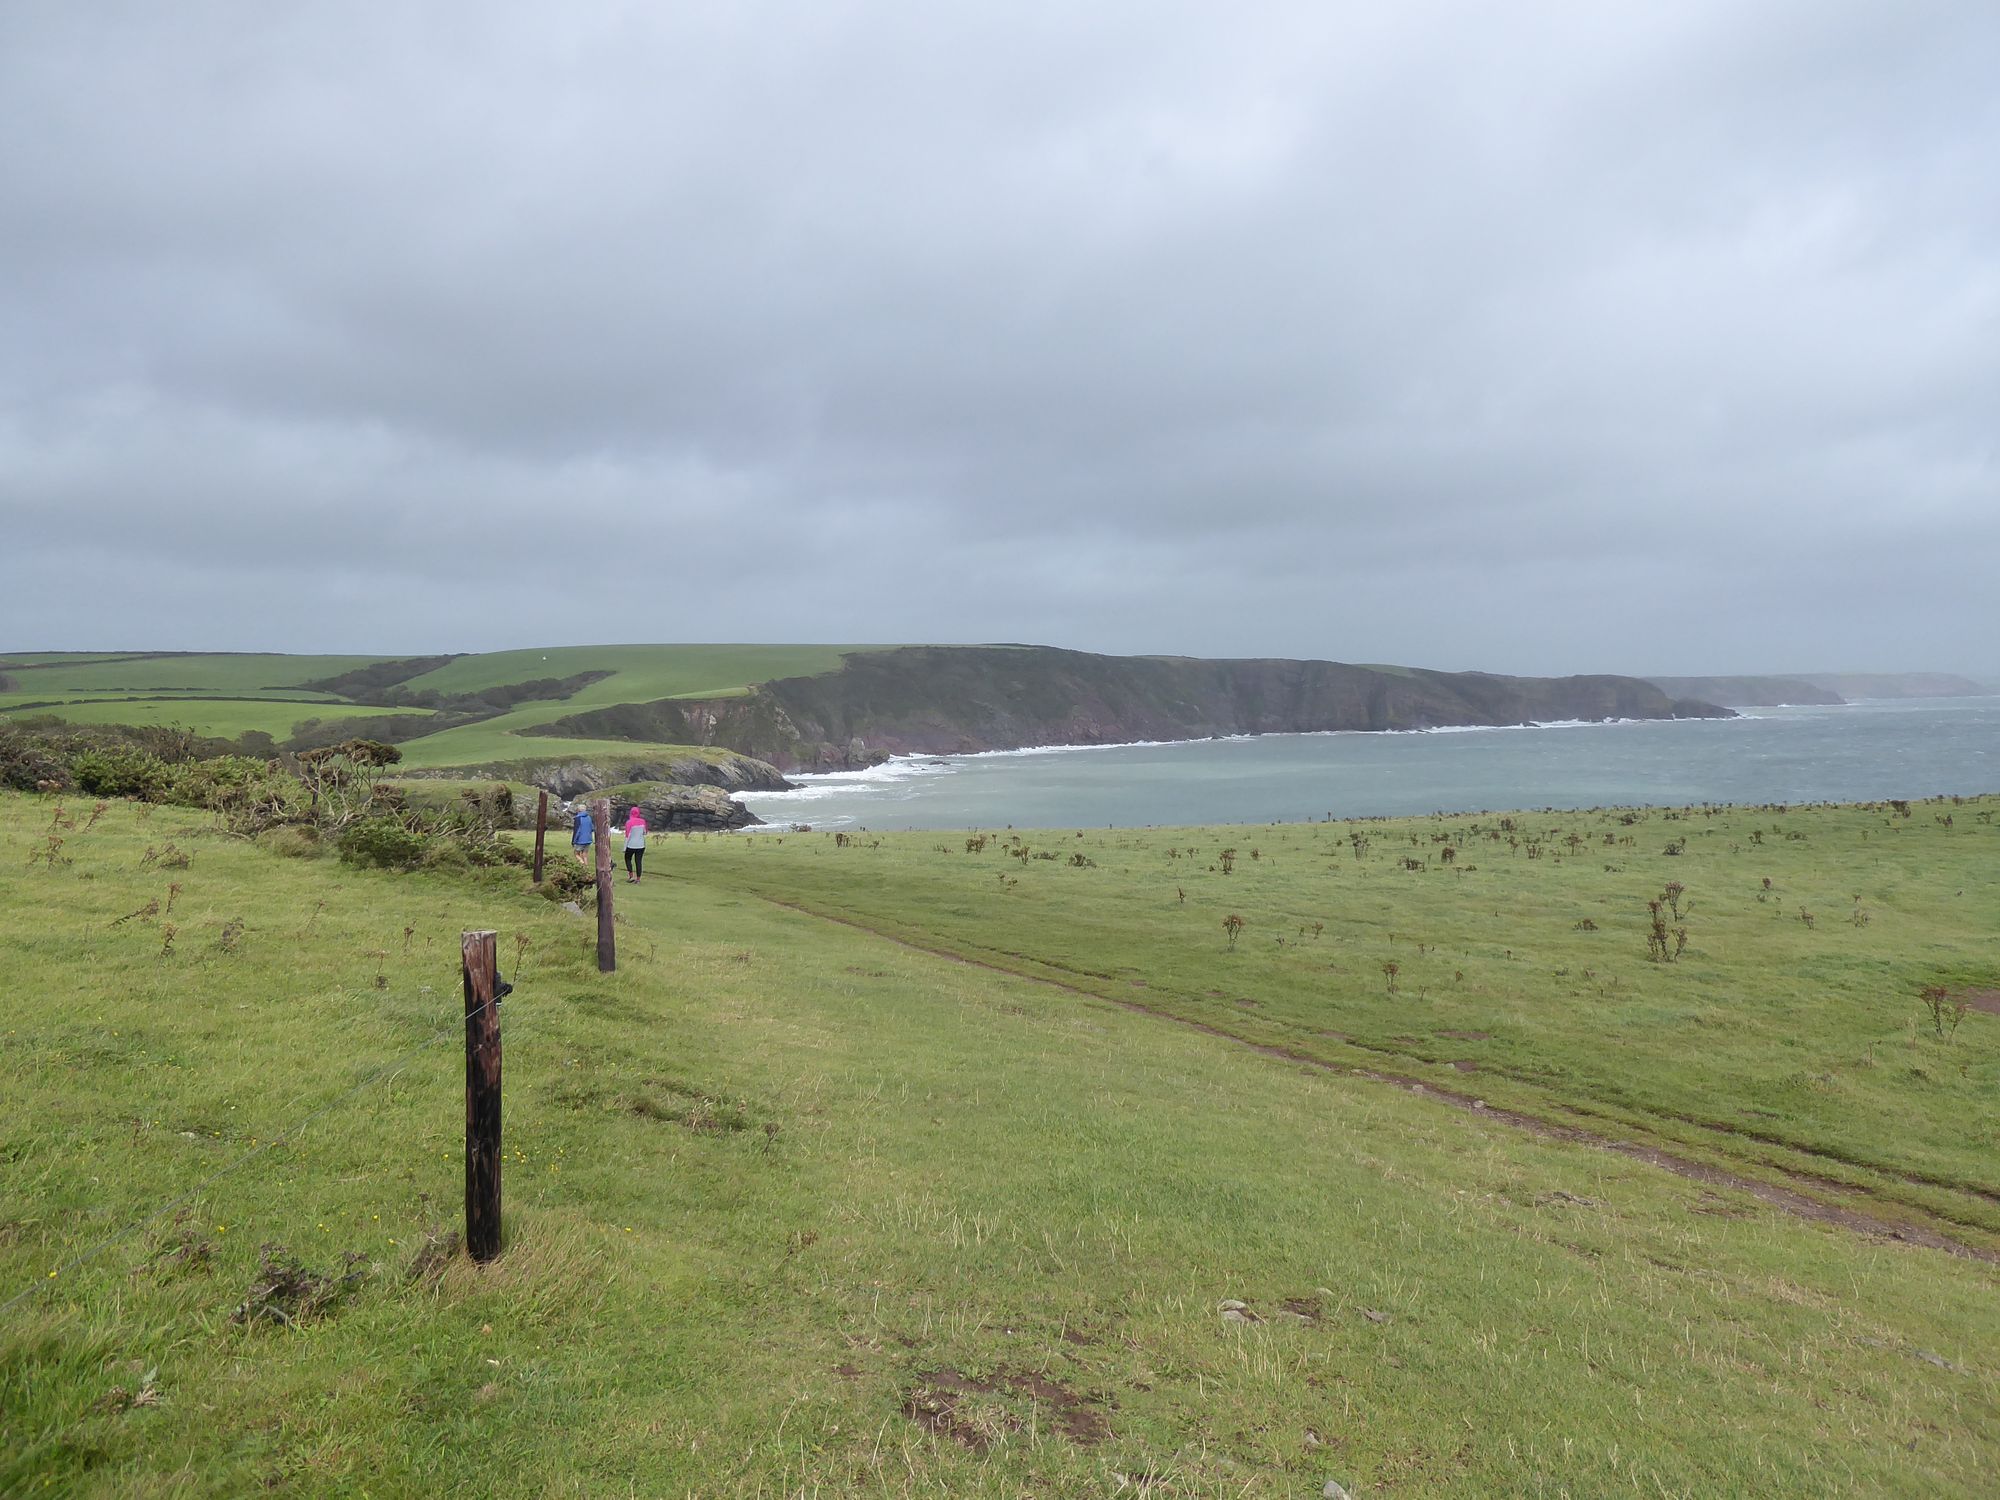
949 1403
1986 1001
1798 1204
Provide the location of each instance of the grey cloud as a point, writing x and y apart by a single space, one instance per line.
1547 338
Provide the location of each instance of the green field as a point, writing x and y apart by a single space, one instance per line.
207 692
1521 962
796 1207
640 674
248 673
222 718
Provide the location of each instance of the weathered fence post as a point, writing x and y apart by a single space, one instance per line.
482 1094
607 944
541 830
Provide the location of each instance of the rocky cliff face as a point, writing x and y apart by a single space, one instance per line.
957 699
682 809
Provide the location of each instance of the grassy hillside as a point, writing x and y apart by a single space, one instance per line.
218 717
638 674
802 706
794 1208
954 699
246 673
227 695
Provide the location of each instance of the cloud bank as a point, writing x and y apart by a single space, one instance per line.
1549 338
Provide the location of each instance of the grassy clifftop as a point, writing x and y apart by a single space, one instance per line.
796 1207
946 699
792 705
480 704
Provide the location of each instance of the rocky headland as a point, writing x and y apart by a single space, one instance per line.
941 700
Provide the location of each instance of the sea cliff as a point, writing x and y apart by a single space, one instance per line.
958 699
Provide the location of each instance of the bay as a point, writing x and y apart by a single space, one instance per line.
1855 752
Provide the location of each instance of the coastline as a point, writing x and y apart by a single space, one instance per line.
1813 753
885 771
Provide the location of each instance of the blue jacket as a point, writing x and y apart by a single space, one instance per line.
584 832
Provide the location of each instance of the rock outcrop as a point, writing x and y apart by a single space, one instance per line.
682 809
570 779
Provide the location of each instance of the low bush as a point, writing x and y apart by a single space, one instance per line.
120 771
563 881
28 763
383 843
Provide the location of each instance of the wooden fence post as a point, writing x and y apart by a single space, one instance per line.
607 944
541 830
480 964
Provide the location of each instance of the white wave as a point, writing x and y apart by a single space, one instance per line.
818 825
814 784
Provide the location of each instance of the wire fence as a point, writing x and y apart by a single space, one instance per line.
286 1137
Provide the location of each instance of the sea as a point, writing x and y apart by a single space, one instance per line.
1850 753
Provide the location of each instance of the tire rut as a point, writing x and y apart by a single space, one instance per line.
1791 1201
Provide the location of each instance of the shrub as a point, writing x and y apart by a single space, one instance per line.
120 771
219 782
446 855
1946 1010
563 881
28 764
384 843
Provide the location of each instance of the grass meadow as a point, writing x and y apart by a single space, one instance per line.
797 1207
1509 956
224 673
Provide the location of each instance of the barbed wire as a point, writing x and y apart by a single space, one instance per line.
388 1070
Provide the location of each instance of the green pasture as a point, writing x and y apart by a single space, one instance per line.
14 702
225 718
795 1209
1790 1033
247 673
112 689
640 674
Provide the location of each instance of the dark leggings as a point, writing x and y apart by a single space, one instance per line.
635 862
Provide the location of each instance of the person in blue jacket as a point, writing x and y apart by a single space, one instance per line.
581 834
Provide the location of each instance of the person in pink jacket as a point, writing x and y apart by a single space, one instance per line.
635 846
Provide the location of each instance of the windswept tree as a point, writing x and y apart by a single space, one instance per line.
341 779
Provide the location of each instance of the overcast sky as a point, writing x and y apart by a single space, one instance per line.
1539 338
